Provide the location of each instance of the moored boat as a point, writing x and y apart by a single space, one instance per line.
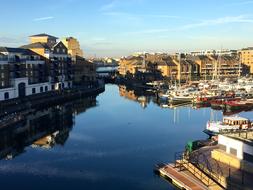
232 106
204 100
228 124
219 103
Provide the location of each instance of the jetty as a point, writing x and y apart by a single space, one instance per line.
180 179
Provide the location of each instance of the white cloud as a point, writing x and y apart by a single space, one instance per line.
219 21
43 18
203 23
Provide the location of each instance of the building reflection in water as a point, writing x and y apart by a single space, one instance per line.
142 96
42 128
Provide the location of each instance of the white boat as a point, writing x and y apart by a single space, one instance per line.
165 95
181 98
228 124
183 95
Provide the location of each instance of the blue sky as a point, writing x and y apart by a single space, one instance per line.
121 27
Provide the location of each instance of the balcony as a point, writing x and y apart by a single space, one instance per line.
33 61
4 60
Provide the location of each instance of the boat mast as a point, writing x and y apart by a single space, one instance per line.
219 62
144 61
240 65
179 61
215 70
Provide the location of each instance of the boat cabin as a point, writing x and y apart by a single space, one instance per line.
239 121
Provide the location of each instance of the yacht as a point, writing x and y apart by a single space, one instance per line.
183 95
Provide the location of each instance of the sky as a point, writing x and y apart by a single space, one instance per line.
117 28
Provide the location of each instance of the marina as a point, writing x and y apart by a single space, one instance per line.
117 145
126 95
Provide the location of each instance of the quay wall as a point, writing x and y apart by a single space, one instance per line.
47 99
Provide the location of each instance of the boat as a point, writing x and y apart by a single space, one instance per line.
181 99
164 95
219 103
204 100
228 124
242 105
186 95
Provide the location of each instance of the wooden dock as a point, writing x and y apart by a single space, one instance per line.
181 180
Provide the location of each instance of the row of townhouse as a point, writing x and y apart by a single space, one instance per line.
185 66
45 64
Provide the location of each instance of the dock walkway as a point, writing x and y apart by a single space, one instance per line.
180 179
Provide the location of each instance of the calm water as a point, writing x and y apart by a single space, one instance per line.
111 142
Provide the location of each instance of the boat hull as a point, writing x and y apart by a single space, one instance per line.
210 133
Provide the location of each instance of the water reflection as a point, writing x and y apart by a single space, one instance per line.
113 145
142 96
42 128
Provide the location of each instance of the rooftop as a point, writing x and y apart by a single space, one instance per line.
17 50
244 136
44 35
37 45
235 118
248 48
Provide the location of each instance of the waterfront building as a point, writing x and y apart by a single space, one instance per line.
22 72
164 64
158 64
131 64
235 150
84 72
214 52
185 67
246 57
73 46
58 60
218 67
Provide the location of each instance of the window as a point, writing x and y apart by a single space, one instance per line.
222 147
46 88
33 90
52 87
6 95
63 85
57 50
41 89
233 151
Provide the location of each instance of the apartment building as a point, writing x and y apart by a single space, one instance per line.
84 72
73 46
22 72
246 57
58 61
186 67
